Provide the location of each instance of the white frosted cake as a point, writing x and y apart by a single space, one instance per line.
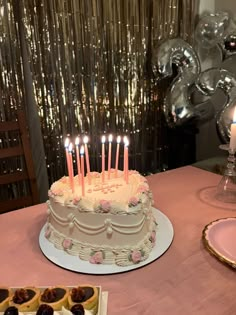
112 223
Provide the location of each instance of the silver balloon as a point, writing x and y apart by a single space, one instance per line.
178 108
210 29
208 82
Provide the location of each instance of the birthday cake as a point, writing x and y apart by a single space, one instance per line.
110 223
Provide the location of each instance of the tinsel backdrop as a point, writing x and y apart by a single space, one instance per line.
84 67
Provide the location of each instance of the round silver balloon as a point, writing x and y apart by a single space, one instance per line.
208 82
210 29
178 108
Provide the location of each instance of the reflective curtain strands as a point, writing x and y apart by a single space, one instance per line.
90 66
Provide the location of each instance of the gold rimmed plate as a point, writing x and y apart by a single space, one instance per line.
219 238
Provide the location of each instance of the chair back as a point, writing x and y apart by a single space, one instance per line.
18 186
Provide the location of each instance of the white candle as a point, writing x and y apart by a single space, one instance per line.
71 172
87 158
117 153
232 143
77 158
109 156
103 158
82 169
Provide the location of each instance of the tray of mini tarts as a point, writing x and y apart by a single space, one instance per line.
58 297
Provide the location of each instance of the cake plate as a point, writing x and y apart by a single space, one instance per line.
164 237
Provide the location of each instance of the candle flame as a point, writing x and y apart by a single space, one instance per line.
70 147
110 138
125 139
234 117
103 139
86 139
127 143
118 139
82 150
77 141
67 142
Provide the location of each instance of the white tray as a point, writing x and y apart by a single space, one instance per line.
102 300
164 237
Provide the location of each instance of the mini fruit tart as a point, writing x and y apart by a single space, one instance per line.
25 299
56 297
5 295
85 294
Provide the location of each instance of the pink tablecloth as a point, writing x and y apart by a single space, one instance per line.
185 280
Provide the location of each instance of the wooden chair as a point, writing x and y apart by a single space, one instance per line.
18 187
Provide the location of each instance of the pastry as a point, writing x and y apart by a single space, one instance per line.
86 294
56 297
5 293
25 299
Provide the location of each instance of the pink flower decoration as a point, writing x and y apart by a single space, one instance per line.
133 201
63 180
105 205
47 232
136 256
50 194
143 189
96 258
153 238
57 192
67 244
76 200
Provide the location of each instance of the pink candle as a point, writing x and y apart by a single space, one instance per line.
109 156
125 139
71 173
117 153
127 162
66 145
103 158
82 169
78 159
232 143
87 158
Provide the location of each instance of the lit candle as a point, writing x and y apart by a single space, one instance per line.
82 169
125 139
232 143
78 159
87 158
103 158
109 156
71 173
127 161
117 153
66 145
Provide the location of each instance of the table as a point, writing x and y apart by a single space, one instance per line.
185 280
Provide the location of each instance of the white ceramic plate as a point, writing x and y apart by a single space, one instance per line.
219 237
164 237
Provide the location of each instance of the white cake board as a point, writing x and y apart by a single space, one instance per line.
164 237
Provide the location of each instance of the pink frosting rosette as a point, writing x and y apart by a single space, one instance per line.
105 205
47 232
136 256
153 238
67 243
96 258
133 201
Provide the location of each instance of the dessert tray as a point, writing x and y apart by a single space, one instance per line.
164 237
219 238
102 301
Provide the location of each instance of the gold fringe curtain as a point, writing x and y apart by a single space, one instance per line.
89 62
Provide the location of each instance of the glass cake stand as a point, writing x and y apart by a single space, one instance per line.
226 189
